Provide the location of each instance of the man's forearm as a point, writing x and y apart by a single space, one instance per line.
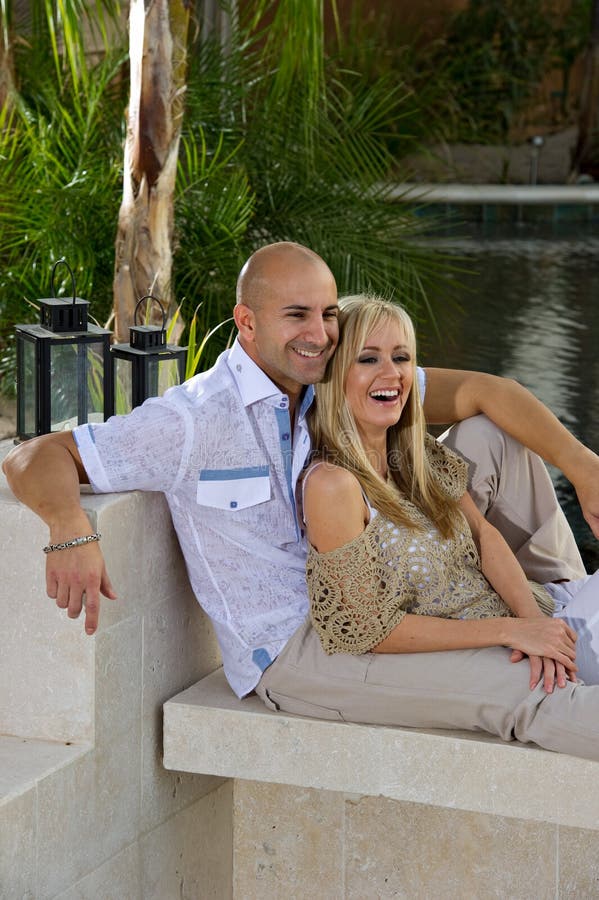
453 395
522 415
45 474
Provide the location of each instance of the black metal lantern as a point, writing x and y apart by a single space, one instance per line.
147 365
64 377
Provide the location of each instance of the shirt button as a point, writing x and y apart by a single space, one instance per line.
238 367
233 504
285 436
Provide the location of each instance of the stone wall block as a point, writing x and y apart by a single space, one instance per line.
578 863
88 813
118 682
397 849
189 857
288 842
118 879
179 648
18 870
46 664
143 557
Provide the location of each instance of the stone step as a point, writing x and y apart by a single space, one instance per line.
24 763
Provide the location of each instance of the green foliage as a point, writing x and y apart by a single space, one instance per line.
376 43
214 206
60 178
59 34
284 142
498 51
60 167
194 360
570 36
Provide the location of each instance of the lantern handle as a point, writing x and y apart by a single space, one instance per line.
63 262
156 300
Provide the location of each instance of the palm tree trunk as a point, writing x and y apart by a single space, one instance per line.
586 154
7 74
143 259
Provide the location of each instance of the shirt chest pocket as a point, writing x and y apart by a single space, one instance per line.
234 489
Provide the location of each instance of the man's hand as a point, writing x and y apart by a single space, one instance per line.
548 669
75 576
45 474
586 484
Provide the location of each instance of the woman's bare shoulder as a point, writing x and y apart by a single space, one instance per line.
329 481
334 508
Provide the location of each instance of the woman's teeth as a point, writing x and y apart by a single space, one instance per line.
384 395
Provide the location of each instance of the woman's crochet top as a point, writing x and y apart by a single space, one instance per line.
359 592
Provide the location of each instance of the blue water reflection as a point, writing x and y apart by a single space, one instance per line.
529 309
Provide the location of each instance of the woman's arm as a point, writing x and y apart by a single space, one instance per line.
542 637
499 565
503 571
551 648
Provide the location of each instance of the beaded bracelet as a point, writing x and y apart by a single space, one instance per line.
76 542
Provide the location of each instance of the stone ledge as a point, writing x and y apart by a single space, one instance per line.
208 730
24 763
508 194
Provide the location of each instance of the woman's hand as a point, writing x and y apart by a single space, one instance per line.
550 645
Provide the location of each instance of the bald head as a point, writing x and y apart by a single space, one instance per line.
268 266
286 315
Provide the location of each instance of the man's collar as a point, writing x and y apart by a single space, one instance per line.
253 384
307 400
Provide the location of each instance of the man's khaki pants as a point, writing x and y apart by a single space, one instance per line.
478 690
513 490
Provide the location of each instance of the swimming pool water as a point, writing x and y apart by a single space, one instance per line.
528 308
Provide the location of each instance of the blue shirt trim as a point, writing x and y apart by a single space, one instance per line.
234 474
261 658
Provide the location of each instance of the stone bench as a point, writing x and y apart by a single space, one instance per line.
341 810
208 730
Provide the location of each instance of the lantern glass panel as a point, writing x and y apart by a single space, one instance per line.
123 386
28 378
76 384
166 375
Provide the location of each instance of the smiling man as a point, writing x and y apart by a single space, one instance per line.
227 447
286 313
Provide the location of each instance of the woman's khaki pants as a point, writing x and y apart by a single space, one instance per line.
477 690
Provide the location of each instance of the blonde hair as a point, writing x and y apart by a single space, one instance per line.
336 436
